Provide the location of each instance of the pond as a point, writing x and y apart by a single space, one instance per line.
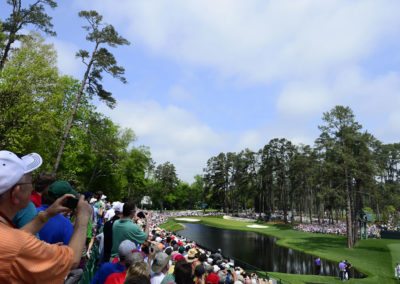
257 250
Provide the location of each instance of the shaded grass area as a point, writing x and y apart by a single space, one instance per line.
374 257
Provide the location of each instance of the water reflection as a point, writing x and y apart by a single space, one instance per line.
258 250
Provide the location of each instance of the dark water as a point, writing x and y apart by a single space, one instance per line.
258 250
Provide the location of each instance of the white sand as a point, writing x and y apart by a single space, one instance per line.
257 226
238 219
187 219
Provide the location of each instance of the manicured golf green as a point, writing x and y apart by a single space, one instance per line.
374 257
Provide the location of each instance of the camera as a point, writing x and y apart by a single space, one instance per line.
71 202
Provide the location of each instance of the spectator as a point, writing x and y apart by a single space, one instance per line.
58 229
183 273
135 264
24 258
212 278
125 257
159 267
137 279
199 274
25 215
99 207
41 183
125 229
108 230
397 271
139 269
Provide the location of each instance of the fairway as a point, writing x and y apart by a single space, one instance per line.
374 257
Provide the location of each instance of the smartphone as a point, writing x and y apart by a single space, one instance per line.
141 214
71 203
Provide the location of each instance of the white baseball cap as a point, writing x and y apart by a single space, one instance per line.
118 206
13 168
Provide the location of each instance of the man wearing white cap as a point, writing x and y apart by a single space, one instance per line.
24 258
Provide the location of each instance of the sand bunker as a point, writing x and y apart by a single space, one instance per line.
257 226
238 219
187 219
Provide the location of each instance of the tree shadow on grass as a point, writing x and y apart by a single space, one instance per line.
283 226
318 243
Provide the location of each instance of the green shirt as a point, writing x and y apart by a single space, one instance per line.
125 229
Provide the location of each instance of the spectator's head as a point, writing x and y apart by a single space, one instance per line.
43 181
202 257
178 257
183 273
168 250
146 247
138 279
88 195
118 207
129 209
16 179
212 278
134 257
199 271
191 256
125 250
56 190
181 250
98 195
160 262
139 268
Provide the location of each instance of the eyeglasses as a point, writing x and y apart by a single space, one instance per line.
24 183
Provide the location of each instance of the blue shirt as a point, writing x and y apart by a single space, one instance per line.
24 216
106 270
57 230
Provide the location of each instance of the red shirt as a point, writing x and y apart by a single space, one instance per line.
36 198
116 278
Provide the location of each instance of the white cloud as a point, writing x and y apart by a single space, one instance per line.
66 61
174 134
314 54
179 93
259 41
303 98
374 100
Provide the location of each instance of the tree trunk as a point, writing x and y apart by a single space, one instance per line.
7 49
348 212
74 111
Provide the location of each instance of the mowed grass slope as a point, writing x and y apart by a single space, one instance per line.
374 257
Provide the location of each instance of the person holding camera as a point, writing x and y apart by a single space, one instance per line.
58 229
126 229
24 258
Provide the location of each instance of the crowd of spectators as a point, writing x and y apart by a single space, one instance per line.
373 230
50 231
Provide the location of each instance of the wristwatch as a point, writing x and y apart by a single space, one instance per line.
42 215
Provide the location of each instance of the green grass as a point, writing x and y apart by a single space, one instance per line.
374 257
171 226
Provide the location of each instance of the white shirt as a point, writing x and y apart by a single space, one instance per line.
109 214
100 239
157 278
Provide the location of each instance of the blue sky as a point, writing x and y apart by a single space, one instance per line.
206 77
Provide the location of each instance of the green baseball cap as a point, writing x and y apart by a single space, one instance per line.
61 187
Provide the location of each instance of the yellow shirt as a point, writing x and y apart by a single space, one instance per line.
25 259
